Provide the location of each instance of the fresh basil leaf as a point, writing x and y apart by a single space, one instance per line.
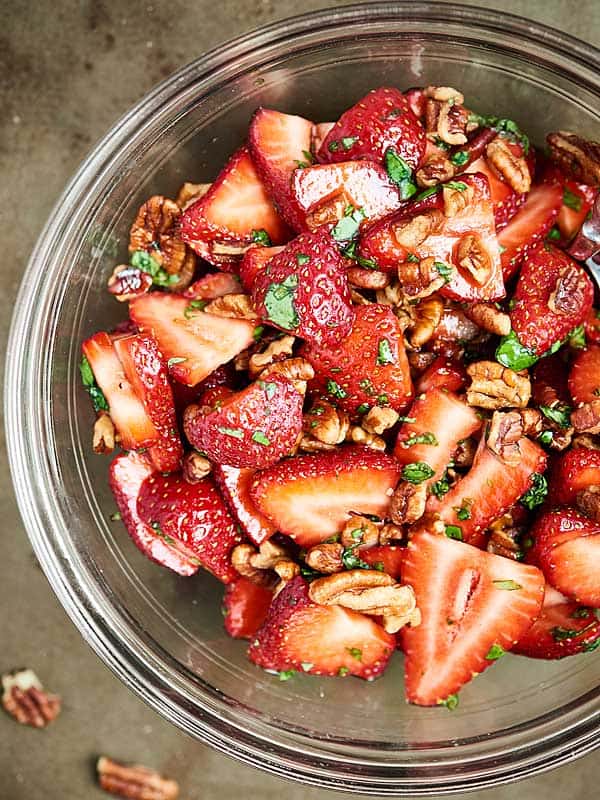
400 173
260 236
235 433
260 438
347 228
512 354
537 492
459 158
421 438
495 652
454 532
508 585
560 414
335 390
279 303
417 472
384 353
572 200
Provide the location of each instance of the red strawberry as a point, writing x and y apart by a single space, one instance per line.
417 102
567 548
553 295
488 490
578 199
245 605
193 342
564 628
127 474
147 373
380 120
254 261
304 290
388 558
549 381
505 200
192 518
235 486
584 378
592 327
369 367
528 226
213 285
252 428
573 472
474 607
278 144
443 373
324 192
135 428
319 132
185 396
320 640
310 497
437 422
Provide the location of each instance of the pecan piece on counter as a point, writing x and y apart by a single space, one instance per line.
134 782
506 430
326 423
24 698
570 290
489 318
586 418
195 467
103 440
503 538
474 258
236 306
494 386
378 420
367 278
408 502
127 282
276 351
588 502
325 557
576 156
436 169
513 168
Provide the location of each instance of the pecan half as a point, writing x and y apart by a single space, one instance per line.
506 430
326 557
127 282
585 440
297 370
236 306
494 386
103 440
474 258
309 445
390 533
588 502
361 436
241 561
359 532
195 467
410 234
586 418
24 698
408 503
190 192
378 420
436 169
368 278
452 123
576 156
392 295
513 168
326 423
488 317
427 315
444 94
456 200
503 538
276 351
134 782
358 299
569 291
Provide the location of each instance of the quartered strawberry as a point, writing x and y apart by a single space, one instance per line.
549 381
584 377
325 192
388 558
368 368
528 226
487 491
193 519
235 486
252 428
564 628
505 200
443 373
304 290
437 422
380 120
573 472
474 607
279 143
147 372
567 549
553 295
213 285
193 342
134 426
245 606
319 640
127 474
254 261
310 497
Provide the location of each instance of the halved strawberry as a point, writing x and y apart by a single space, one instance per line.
388 558
380 120
487 491
549 381
310 497
564 628
235 486
437 422
304 290
443 373
254 261
193 519
368 368
193 342
245 606
134 426
528 226
505 200
592 327
474 607
213 285
319 640
584 377
573 472
567 549
147 373
126 476
279 143
553 295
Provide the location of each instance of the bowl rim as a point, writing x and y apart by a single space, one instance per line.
25 434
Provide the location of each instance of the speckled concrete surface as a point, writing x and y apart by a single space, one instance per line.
68 70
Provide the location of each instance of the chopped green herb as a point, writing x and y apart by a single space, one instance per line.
577 337
269 388
286 674
400 173
348 142
193 306
350 251
439 142
536 494
511 353
495 652
509 586
260 438
553 234
417 472
445 270
347 228
412 258
89 384
407 419
421 438
366 385
441 487
351 561
582 613
454 532
559 634
379 566
590 646
143 261
505 127
343 671
460 158
279 303
176 360
333 146
307 666
463 511
426 193
572 200
302 258
384 353
363 408
335 390
258 332
235 433
383 400
116 516
355 652
450 702
459 186
546 438
560 414
260 236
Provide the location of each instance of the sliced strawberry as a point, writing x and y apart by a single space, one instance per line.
213 285
324 192
578 199
147 373
135 428
549 381
567 549
252 428
380 120
592 327
310 497
127 474
573 472
185 396
487 491
279 143
388 558
304 290
437 422
245 606
319 132
564 628
193 519
443 373
505 200
235 486
193 342
319 640
528 226
254 261
368 368
474 606
584 377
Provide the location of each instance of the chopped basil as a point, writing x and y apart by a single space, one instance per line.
577 337
553 234
335 390
351 561
426 193
511 353
355 652
572 200
235 433
286 674
270 389
347 228
400 173
176 360
260 236
383 400
463 511
454 532
143 261
258 332
445 270
260 438
459 158
536 494
590 646
348 142
441 487
582 613
363 408
366 385
417 472
384 353
412 258
560 414
421 438
116 516
450 702
279 303
458 186
505 127
302 258
89 384
508 585
193 306
333 146
350 251
343 671
559 634
407 419
546 438
308 156
495 652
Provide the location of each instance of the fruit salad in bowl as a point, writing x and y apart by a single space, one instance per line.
358 382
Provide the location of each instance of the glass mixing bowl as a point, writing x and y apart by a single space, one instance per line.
162 634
